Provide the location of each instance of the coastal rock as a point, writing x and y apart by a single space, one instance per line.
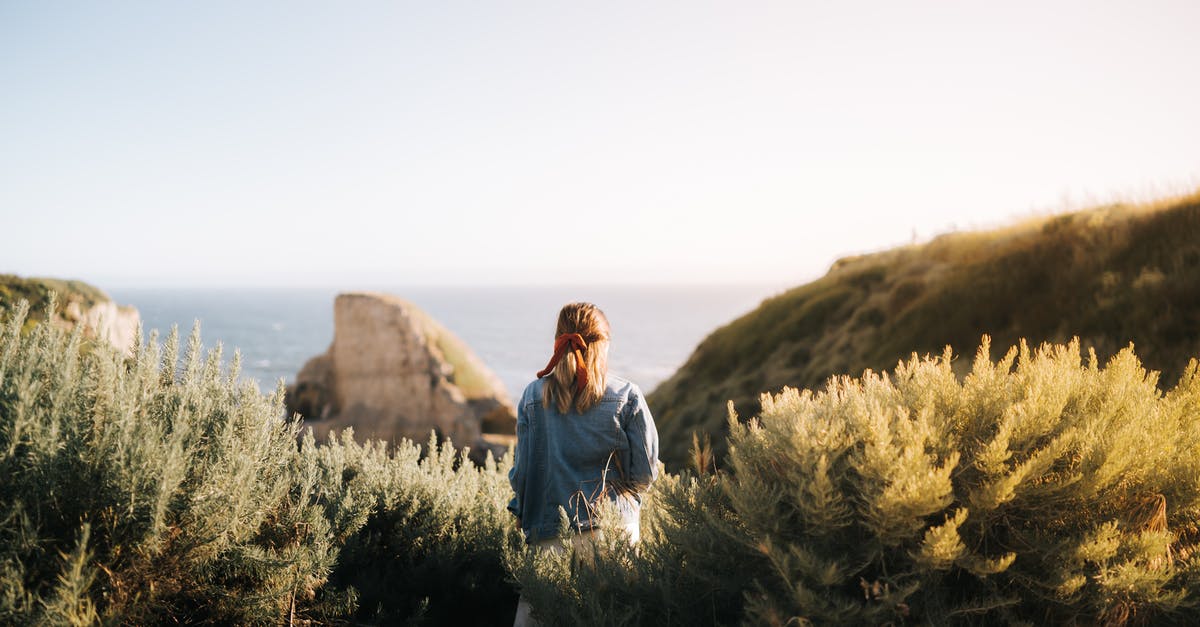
394 372
116 323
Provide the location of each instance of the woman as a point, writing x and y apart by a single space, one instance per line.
583 435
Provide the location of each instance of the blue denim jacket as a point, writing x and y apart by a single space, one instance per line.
573 460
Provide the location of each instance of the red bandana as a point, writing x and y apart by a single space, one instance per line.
563 343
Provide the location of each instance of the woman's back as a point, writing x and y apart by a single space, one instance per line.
583 436
575 459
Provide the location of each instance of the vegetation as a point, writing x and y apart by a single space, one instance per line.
1035 491
1110 276
424 537
135 492
1039 489
143 490
37 292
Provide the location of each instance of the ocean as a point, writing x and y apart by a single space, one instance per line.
654 329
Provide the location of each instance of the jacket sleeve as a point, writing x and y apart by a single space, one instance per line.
516 474
643 442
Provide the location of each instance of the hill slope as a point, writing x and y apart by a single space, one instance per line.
1109 275
77 303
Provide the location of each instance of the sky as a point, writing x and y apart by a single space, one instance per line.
348 144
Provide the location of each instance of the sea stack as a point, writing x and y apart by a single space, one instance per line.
394 372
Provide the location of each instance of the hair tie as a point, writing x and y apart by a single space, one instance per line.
563 343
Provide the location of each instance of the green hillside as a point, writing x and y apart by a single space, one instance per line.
1110 275
37 290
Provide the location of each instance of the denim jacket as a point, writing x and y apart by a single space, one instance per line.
572 460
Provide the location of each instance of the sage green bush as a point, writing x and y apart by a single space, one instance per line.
143 490
423 536
1040 489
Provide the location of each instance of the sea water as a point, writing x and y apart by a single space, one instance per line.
654 329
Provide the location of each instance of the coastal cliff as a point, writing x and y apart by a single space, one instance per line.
394 372
1111 276
78 303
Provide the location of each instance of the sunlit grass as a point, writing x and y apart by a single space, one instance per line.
1110 275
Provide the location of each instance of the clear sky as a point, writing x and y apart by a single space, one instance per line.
353 143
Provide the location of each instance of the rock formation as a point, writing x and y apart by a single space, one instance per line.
116 323
393 372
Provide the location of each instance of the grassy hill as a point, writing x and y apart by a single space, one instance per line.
1110 275
37 291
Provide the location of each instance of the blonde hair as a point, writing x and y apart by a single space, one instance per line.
560 388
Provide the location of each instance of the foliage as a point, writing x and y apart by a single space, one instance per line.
684 570
423 538
36 290
146 491
1035 491
1039 489
1109 276
136 490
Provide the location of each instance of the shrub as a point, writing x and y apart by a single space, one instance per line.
145 491
684 571
1038 489
423 537
139 491
1035 490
